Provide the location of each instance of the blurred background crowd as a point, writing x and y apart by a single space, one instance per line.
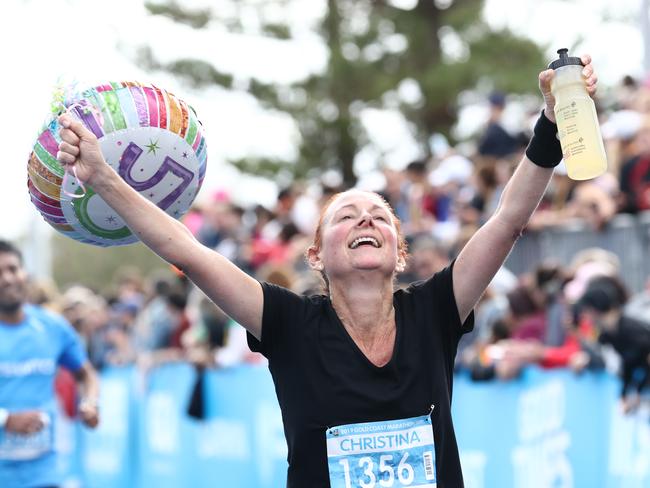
577 314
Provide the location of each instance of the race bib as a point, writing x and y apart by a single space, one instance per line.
391 453
23 447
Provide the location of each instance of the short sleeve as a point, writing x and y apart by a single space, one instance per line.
282 311
447 279
438 293
73 354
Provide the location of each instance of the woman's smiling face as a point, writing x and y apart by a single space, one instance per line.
359 232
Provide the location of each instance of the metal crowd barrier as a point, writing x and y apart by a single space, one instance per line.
626 236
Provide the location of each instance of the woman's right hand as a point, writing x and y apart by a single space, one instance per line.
80 149
546 77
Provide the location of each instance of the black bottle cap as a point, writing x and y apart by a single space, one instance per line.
565 59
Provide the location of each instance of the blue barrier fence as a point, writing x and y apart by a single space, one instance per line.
544 430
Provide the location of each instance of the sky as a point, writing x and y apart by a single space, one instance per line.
49 42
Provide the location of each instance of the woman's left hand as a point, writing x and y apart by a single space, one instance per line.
546 76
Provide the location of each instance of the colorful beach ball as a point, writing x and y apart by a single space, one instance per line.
153 140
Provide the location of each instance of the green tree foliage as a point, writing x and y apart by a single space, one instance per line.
97 267
438 47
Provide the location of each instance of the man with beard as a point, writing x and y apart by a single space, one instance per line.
33 343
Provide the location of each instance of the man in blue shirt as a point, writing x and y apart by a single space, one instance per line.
33 344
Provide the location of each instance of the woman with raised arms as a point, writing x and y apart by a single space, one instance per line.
364 373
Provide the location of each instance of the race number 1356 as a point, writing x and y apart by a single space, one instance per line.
390 470
399 453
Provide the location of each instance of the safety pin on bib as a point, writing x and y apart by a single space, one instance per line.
430 412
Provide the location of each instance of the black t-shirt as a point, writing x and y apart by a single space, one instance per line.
322 379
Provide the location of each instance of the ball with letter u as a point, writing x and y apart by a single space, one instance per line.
153 140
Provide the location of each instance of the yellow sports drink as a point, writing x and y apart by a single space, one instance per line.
577 122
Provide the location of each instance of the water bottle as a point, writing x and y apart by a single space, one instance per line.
577 122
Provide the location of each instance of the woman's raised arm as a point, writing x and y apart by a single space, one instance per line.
239 295
487 250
